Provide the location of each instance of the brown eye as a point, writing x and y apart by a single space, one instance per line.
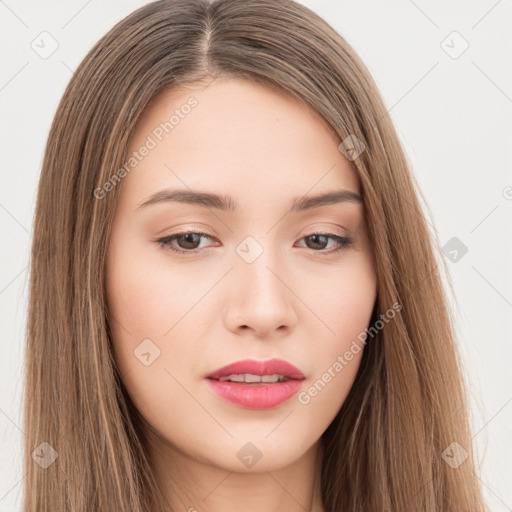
319 241
189 242
186 242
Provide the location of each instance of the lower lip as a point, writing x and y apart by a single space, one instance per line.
256 396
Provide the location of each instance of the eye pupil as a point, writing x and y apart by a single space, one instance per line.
315 240
188 240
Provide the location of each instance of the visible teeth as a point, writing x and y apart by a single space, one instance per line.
249 377
271 378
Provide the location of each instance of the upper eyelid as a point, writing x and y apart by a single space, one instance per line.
338 230
204 233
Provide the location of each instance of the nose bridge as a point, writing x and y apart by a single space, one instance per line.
260 297
256 264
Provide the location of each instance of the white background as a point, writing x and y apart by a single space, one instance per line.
453 116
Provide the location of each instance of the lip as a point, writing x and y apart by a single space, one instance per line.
255 367
257 395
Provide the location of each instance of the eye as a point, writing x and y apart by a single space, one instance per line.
188 242
341 242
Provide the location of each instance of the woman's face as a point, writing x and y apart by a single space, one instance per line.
266 276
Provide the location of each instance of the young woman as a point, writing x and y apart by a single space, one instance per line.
235 300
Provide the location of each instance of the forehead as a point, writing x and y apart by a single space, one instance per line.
235 137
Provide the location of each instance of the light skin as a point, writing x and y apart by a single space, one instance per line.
298 300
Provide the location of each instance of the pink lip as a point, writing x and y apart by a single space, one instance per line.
268 367
258 395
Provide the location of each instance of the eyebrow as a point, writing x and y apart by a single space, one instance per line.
227 203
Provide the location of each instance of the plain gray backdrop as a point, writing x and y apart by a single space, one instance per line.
445 72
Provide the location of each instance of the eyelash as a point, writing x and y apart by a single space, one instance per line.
342 241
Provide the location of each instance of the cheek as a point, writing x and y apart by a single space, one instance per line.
345 307
147 302
342 297
147 294
154 308
135 303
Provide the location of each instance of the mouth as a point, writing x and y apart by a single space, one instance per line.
249 378
252 370
253 384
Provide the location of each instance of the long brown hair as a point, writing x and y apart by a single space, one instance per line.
386 448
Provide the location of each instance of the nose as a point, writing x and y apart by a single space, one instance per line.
261 297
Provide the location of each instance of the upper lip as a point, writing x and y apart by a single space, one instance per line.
254 367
